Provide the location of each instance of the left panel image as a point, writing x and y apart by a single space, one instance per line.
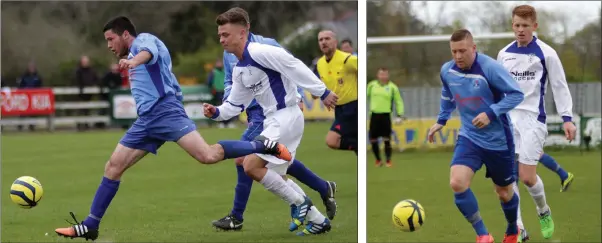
178 122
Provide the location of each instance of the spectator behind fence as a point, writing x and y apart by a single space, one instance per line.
85 77
112 80
215 81
347 46
31 79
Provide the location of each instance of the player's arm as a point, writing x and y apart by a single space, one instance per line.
501 82
146 52
227 77
292 68
560 88
398 101
447 104
235 104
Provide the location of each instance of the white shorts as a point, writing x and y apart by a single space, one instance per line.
529 136
285 126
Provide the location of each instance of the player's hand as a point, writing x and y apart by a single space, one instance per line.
127 64
397 120
435 128
481 121
208 110
330 101
300 104
570 131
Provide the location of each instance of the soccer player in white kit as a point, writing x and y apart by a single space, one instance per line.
270 75
533 63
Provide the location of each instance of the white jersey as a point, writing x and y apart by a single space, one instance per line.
531 67
269 75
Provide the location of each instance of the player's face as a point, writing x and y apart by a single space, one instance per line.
463 52
231 36
327 42
116 43
523 29
382 75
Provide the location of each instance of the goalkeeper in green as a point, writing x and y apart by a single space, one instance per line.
381 95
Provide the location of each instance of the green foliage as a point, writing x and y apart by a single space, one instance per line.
192 64
305 47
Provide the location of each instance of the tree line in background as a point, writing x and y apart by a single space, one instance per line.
56 34
418 64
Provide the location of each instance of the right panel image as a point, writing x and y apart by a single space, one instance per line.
483 121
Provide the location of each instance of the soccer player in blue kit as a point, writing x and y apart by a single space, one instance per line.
161 118
255 119
483 91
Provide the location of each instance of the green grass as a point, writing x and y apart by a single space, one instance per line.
424 177
165 198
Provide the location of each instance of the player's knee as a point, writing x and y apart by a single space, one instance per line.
504 193
458 185
239 161
528 180
114 169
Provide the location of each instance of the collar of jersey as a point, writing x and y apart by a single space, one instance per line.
528 45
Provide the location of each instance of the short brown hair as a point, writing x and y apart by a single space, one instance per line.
525 12
460 35
384 69
233 16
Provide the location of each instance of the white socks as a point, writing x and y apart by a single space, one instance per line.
539 196
276 184
313 215
519 218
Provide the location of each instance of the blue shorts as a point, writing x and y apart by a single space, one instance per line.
167 121
255 120
345 120
500 164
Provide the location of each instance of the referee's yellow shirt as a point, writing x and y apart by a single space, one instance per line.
340 75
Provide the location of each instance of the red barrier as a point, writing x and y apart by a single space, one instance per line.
21 102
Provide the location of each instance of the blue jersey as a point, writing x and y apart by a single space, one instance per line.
485 87
154 80
230 61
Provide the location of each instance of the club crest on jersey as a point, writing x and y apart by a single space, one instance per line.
340 80
531 56
255 87
475 84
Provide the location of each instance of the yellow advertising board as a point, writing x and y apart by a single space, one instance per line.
312 110
412 133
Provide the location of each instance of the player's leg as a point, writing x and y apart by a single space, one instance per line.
373 134
533 136
465 162
501 170
256 168
327 189
318 224
132 147
387 139
234 220
566 178
199 149
341 135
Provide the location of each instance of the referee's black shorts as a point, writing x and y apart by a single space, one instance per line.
380 125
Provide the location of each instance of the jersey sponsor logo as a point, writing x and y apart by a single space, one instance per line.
256 87
510 59
526 75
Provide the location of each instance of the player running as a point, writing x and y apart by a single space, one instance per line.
161 118
382 94
268 74
338 70
483 92
255 118
532 62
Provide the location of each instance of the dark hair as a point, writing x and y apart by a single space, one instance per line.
119 25
348 41
460 35
384 69
233 16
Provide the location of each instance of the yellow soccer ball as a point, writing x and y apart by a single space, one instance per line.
26 192
408 215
